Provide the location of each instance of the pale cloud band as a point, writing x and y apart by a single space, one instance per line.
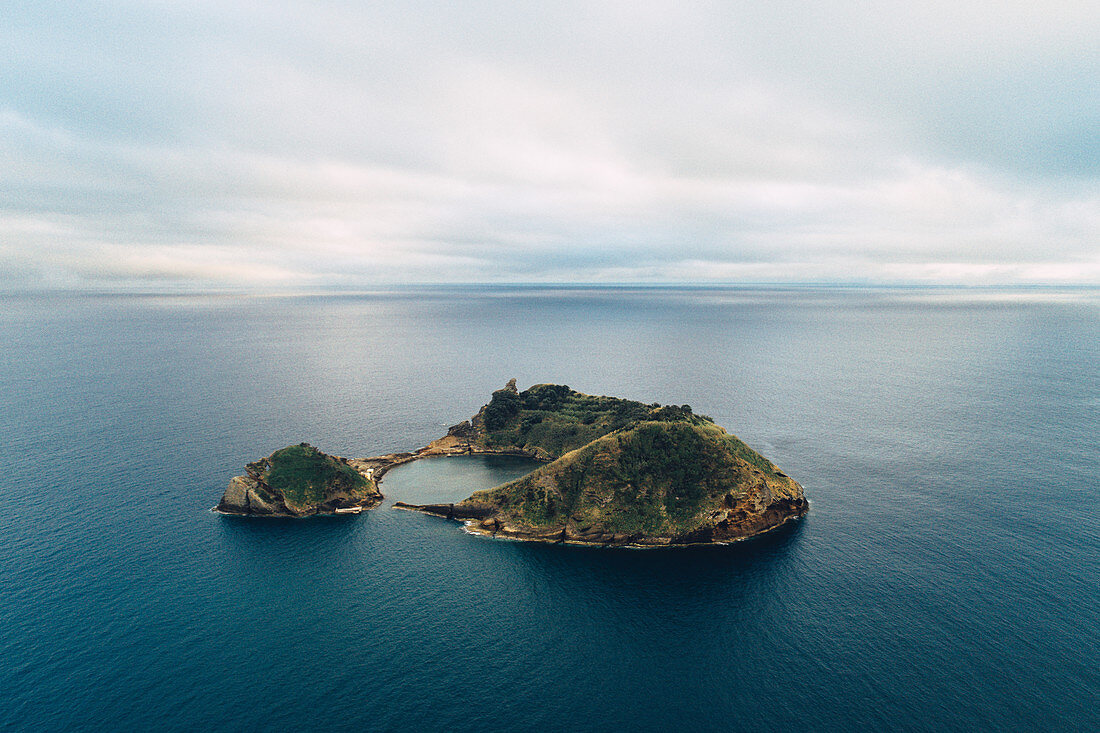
303 145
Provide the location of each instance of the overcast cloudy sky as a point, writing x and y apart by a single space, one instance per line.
286 144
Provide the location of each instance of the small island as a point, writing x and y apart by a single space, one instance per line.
297 481
617 472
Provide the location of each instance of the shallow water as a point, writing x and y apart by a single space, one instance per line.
946 577
443 480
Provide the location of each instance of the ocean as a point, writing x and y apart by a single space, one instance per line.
947 576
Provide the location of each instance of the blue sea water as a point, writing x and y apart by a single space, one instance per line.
946 578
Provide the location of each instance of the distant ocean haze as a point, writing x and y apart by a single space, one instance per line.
945 578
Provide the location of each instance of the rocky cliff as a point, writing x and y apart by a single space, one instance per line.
298 481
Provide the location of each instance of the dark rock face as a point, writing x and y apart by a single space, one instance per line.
463 430
246 495
740 523
449 511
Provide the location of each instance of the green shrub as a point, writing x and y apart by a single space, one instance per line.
504 405
305 475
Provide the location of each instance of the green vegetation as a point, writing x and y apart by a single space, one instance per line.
556 419
618 470
305 475
504 405
658 476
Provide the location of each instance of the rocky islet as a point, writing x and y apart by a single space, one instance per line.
617 472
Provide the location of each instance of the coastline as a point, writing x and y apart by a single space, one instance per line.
473 519
749 497
374 469
479 521
478 532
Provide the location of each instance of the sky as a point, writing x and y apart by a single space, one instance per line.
346 145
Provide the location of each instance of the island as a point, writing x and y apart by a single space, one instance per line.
615 472
297 481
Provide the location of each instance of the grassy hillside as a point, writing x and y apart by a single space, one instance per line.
659 477
556 419
305 475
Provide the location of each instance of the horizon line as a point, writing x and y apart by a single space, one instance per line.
150 290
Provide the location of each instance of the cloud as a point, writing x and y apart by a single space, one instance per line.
331 145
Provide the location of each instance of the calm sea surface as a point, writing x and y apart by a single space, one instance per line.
946 578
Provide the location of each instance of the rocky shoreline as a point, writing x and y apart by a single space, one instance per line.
245 496
736 526
614 473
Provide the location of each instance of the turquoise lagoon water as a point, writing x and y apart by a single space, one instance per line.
947 577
